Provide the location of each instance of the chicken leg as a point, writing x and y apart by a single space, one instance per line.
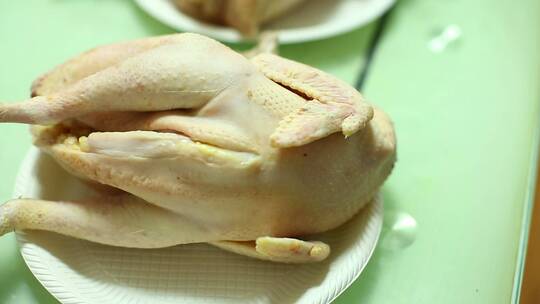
137 224
152 77
123 220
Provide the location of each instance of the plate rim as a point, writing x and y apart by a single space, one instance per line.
229 35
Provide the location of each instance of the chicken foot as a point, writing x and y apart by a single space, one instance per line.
284 250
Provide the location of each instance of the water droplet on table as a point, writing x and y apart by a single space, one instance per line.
448 36
399 232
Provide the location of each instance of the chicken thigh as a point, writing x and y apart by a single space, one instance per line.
206 146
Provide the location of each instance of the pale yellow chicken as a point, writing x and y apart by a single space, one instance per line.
246 16
207 145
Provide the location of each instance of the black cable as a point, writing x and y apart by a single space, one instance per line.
364 71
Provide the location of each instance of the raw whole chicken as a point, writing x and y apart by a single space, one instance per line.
205 145
244 15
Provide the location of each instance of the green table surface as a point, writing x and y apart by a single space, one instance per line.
467 120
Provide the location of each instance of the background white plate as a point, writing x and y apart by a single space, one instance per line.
317 19
76 271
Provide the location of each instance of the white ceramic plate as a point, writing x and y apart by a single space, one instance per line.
76 271
317 19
